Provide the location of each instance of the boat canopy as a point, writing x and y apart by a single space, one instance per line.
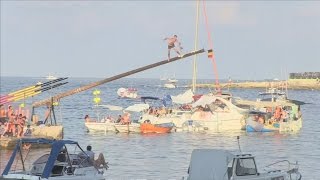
137 107
56 146
112 107
204 100
209 164
184 98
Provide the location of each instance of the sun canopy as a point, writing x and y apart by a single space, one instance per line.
204 100
112 107
209 164
137 107
186 97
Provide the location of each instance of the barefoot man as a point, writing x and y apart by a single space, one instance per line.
172 41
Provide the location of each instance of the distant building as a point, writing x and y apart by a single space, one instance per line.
305 75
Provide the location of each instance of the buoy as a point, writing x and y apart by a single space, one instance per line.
96 92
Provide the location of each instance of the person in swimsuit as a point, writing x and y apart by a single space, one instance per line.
172 41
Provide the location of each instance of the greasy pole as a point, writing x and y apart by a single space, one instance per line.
94 84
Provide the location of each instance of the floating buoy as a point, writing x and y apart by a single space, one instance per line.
96 100
96 92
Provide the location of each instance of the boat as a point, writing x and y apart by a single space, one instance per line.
105 122
283 117
147 127
276 111
209 112
51 77
127 93
218 164
170 85
60 163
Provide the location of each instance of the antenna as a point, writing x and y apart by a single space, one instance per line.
238 138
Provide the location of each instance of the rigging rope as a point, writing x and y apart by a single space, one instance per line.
211 47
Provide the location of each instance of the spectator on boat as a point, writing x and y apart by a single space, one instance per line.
90 153
3 116
11 124
277 113
261 119
119 119
284 115
2 129
88 119
21 122
10 112
28 131
126 118
96 163
172 41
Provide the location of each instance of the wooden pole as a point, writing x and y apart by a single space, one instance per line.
94 84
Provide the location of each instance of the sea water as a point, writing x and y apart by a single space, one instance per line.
167 156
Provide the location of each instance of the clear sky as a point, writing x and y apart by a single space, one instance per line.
252 39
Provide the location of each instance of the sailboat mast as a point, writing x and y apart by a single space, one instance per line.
194 76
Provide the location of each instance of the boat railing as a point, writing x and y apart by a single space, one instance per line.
291 167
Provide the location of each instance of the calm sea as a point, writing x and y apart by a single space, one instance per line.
135 156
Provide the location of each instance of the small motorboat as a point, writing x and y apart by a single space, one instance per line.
147 127
50 77
258 121
62 163
127 93
220 164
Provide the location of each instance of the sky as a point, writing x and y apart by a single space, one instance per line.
252 40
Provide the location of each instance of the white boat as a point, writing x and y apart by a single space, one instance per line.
127 93
171 83
217 164
51 77
127 128
56 165
211 113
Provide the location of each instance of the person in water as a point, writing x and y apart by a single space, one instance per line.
172 41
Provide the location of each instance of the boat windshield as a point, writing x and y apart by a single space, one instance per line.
246 166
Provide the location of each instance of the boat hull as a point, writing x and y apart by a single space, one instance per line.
100 126
282 127
151 128
128 128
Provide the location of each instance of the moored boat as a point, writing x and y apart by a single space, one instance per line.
223 165
282 116
127 93
60 163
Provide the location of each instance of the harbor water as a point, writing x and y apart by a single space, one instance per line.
167 156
